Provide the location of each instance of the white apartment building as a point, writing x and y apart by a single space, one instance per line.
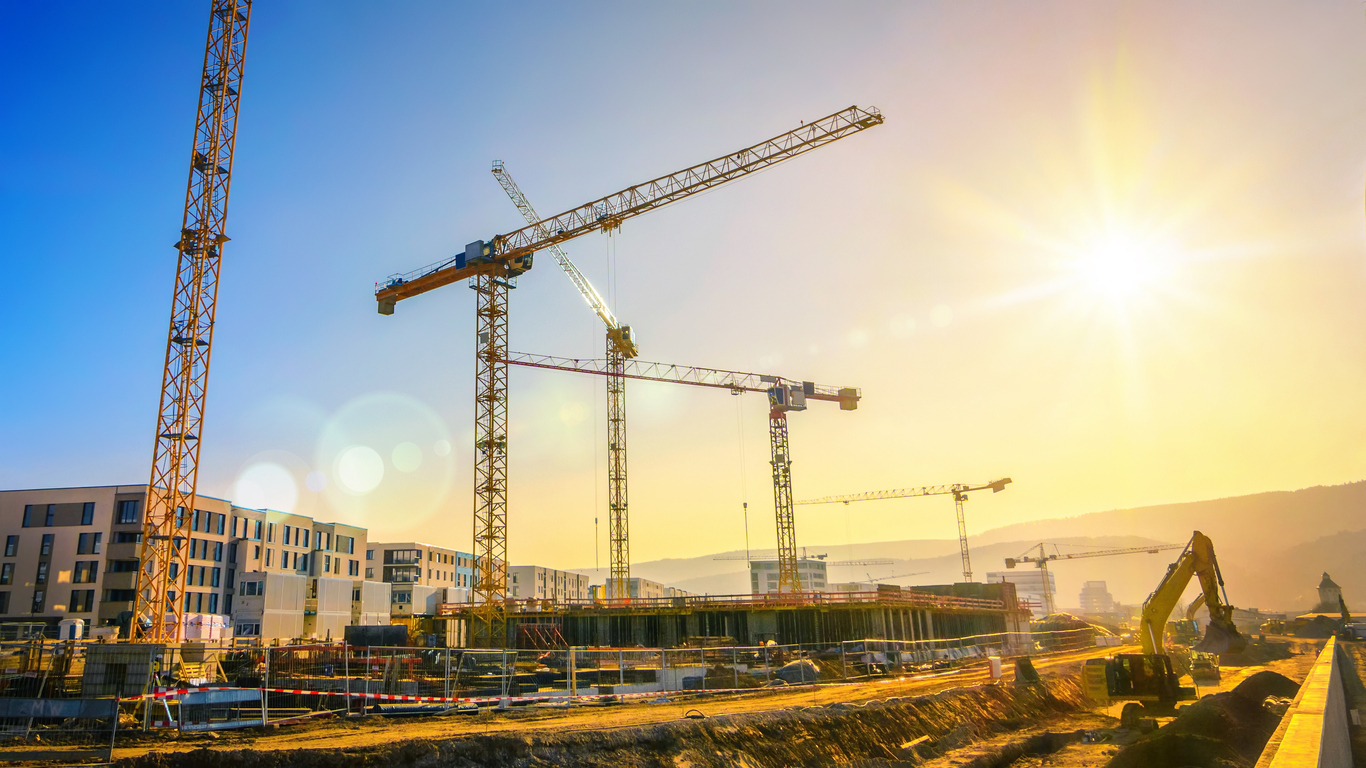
420 575
539 583
763 575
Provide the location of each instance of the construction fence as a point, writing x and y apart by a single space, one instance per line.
193 687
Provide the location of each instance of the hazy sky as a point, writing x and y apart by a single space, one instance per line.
1112 250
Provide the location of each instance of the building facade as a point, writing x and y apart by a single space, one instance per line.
420 575
538 583
1028 587
763 575
73 553
1095 598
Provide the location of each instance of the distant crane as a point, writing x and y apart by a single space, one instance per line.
163 554
1041 560
895 576
765 556
958 491
784 395
491 267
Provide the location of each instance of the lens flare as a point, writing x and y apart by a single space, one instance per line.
360 469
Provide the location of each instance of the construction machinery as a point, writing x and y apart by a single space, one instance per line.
163 553
1146 681
784 395
959 491
621 346
492 266
1043 558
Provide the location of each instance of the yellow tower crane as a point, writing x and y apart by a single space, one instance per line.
492 265
621 346
784 395
159 607
959 491
1042 559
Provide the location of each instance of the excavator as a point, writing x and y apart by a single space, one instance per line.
1146 681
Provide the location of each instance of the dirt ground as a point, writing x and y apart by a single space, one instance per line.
1103 725
963 721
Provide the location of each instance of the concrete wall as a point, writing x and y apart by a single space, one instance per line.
1313 733
370 603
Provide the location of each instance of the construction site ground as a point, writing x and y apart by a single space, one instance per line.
954 718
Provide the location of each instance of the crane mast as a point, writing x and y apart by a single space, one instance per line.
621 346
783 395
491 264
163 555
959 491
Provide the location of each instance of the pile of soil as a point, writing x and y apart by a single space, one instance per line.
1226 730
874 733
1257 652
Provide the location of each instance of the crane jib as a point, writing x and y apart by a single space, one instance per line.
509 254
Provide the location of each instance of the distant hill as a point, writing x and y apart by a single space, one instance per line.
1272 550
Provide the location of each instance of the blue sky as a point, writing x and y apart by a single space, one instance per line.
920 260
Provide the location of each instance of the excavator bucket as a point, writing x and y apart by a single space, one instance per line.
1221 638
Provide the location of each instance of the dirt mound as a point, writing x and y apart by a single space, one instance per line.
1256 652
1225 730
838 734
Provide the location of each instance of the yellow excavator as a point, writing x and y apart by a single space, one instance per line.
1146 681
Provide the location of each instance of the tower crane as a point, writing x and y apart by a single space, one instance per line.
491 264
162 555
621 346
959 491
1042 559
784 395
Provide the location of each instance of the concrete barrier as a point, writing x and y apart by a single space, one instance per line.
1313 733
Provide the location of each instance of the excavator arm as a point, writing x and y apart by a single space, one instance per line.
1197 560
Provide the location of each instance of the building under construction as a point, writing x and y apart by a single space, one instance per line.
892 613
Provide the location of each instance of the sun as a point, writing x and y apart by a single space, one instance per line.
1119 267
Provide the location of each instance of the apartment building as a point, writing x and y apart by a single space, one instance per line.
539 583
638 588
73 553
420 575
763 575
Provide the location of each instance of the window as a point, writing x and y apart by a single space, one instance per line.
194 526
258 531
251 588
222 520
46 549
257 555
369 553
7 573
51 518
86 572
4 602
270 532
179 517
119 595
123 566
213 602
248 630
175 570
327 563
82 600
127 537
88 513
11 546
95 545
369 573
83 544
28 515
227 604
128 512
218 551
303 567
231 575
37 602
214 582
286 539
232 552
268 558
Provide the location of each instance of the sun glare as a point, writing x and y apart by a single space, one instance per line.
1119 267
